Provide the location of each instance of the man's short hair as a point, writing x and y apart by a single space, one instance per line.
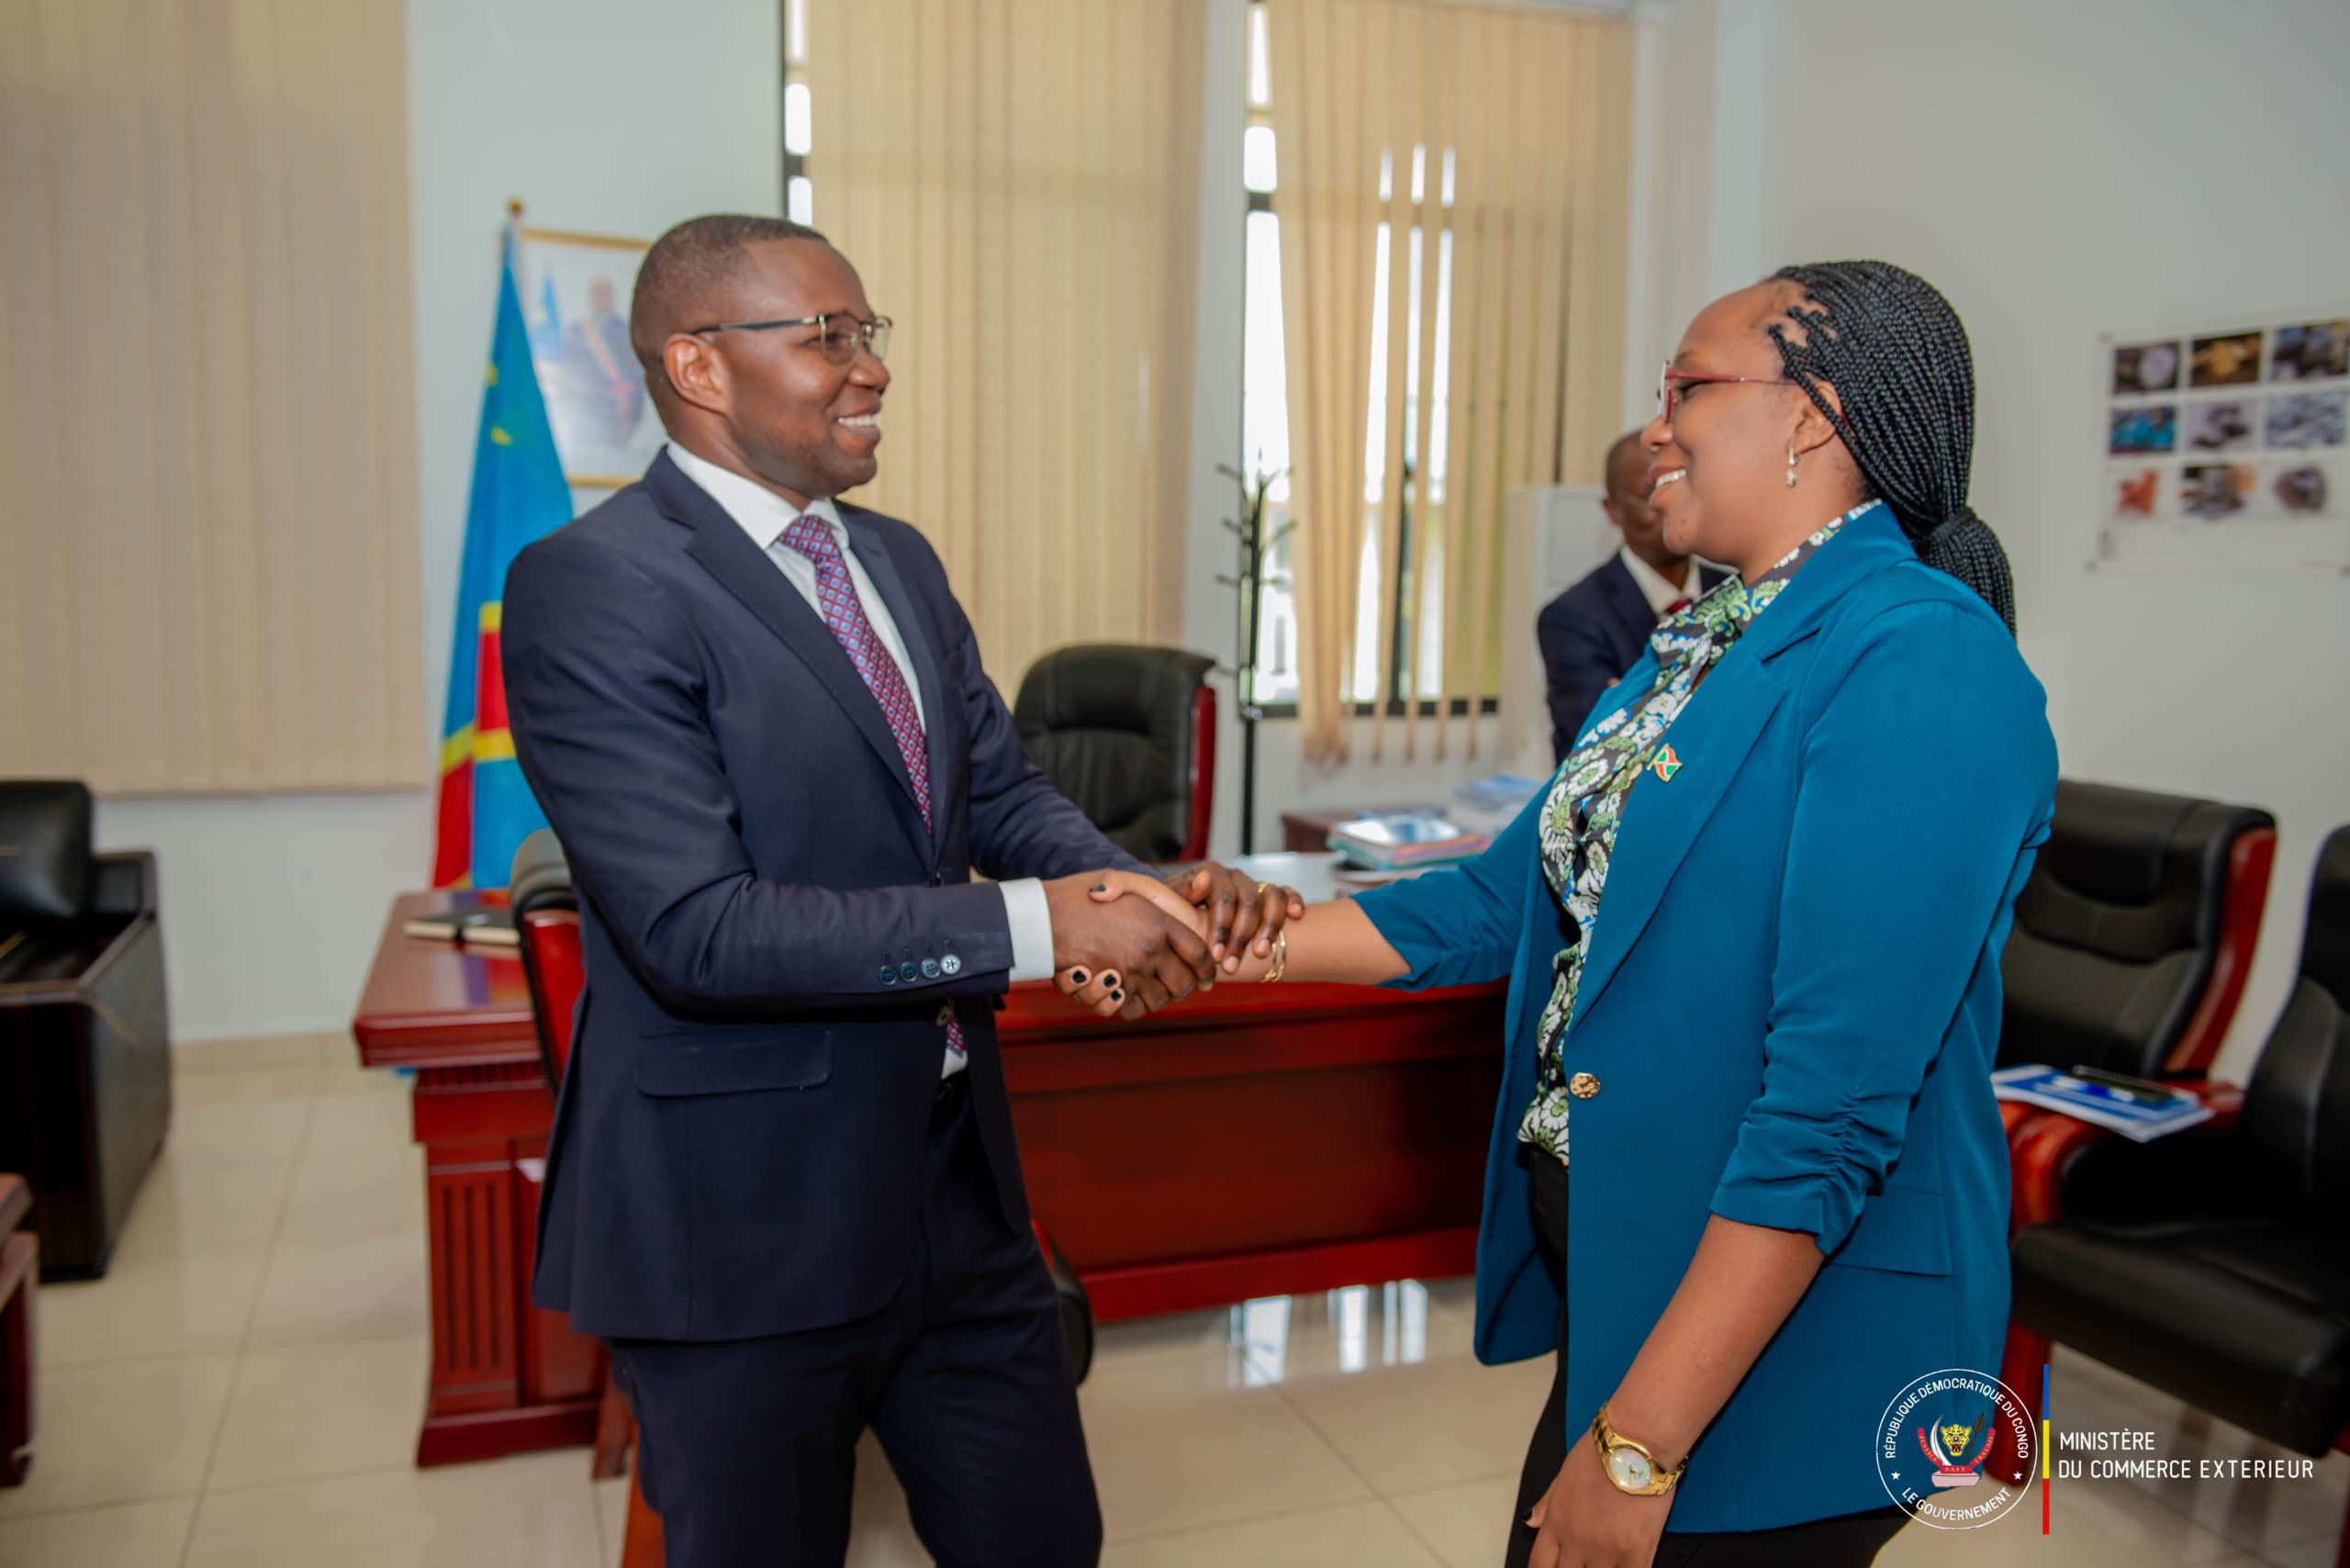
1630 440
686 266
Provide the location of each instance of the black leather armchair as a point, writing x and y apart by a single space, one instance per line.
85 1069
2135 933
1128 733
2215 1264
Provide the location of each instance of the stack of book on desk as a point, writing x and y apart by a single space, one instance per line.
470 928
1505 793
1406 841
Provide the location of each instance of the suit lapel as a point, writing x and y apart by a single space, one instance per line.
726 553
1634 619
1662 817
938 734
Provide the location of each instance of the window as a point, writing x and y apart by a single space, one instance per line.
1264 395
1414 664
799 116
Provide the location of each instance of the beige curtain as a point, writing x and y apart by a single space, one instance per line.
1519 122
1017 182
207 507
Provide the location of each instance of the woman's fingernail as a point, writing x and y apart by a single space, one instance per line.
1110 978
1117 996
1076 977
1100 887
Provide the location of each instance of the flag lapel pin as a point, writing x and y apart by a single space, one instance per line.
1665 765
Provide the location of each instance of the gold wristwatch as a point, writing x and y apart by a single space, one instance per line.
1632 1467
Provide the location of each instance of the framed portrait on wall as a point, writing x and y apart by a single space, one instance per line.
575 291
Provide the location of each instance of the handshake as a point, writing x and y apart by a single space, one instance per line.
1126 945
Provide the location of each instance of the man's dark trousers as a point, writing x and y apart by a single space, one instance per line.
963 1377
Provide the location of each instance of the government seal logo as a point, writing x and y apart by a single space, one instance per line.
1933 1441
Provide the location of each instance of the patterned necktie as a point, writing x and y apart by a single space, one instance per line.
812 537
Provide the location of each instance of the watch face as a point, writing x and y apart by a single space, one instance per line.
1627 1469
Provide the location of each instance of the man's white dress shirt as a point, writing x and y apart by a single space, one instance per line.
1654 586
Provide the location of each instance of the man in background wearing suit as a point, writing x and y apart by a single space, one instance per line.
1592 632
782 1183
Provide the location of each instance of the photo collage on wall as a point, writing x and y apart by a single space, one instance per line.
2221 427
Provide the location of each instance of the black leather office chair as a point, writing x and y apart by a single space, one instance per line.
2135 933
546 916
1128 733
2215 1263
85 1049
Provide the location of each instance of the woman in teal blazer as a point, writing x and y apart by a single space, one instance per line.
1752 934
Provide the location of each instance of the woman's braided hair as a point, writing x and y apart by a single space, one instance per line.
1898 357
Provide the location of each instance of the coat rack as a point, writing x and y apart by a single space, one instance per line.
1249 527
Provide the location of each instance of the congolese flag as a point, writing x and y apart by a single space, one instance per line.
519 495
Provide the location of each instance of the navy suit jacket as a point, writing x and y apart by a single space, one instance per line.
1789 1012
773 942
1590 635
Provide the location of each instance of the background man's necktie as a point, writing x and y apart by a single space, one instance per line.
812 537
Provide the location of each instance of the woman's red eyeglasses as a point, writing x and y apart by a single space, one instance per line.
1670 383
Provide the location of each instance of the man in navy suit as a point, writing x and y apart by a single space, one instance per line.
1592 632
782 1183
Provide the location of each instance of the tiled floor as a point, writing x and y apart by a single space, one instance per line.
242 1391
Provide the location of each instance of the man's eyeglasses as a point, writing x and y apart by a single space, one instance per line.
1672 385
838 335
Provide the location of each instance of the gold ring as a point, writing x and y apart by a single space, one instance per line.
1264 886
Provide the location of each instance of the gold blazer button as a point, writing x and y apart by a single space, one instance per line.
1582 1086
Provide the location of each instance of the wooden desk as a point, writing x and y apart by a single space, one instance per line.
1255 1140
505 1377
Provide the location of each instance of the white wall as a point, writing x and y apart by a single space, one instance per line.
2059 171
611 117
272 904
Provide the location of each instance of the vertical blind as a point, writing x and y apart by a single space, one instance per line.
1017 180
208 503
1504 137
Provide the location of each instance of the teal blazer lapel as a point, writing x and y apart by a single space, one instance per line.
1714 735
1663 816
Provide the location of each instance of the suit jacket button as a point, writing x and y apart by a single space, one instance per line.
1582 1086
950 964
889 975
946 1016
908 973
930 968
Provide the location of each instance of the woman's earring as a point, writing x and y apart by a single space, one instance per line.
1791 468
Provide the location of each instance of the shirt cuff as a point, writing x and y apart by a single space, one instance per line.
1031 919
